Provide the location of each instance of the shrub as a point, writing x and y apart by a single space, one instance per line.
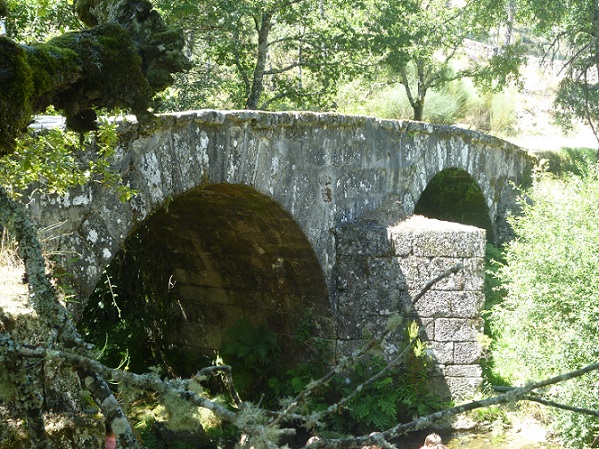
548 321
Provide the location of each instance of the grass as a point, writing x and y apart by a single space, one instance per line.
456 103
13 299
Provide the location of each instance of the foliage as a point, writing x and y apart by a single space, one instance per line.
458 102
263 54
566 161
571 27
254 351
54 161
547 322
127 318
122 60
37 21
424 44
147 413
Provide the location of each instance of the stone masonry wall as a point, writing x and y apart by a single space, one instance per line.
324 169
381 267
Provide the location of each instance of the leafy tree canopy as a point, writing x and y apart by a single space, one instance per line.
427 43
572 28
268 54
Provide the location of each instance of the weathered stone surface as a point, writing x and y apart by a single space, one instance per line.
212 179
462 371
448 314
367 238
457 329
440 303
468 352
324 169
442 352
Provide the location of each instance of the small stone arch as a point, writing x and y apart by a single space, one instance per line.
234 254
454 195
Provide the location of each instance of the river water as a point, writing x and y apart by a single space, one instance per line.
526 435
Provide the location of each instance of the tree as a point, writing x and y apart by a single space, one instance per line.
35 21
266 53
572 28
425 43
548 320
122 60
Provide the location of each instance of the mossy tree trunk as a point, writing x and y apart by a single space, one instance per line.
124 58
55 330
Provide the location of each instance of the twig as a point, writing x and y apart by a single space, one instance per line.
457 267
548 403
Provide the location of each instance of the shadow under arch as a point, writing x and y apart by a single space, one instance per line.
454 195
209 258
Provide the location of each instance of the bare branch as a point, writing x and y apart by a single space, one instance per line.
511 396
554 404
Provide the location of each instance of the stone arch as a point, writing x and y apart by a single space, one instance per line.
454 195
234 253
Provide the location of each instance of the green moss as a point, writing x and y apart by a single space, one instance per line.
51 66
16 79
101 67
84 9
111 71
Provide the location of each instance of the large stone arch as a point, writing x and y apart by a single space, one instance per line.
497 167
229 254
453 195
326 171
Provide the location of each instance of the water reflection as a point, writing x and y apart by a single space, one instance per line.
524 436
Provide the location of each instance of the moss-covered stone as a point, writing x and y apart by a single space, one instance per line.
121 62
111 74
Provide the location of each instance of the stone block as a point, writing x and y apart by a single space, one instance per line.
457 329
198 335
385 273
462 371
376 301
447 304
463 388
426 331
468 352
358 326
441 352
419 271
436 238
402 240
363 238
223 315
351 272
206 278
474 274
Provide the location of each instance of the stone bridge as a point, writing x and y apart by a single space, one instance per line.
288 217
